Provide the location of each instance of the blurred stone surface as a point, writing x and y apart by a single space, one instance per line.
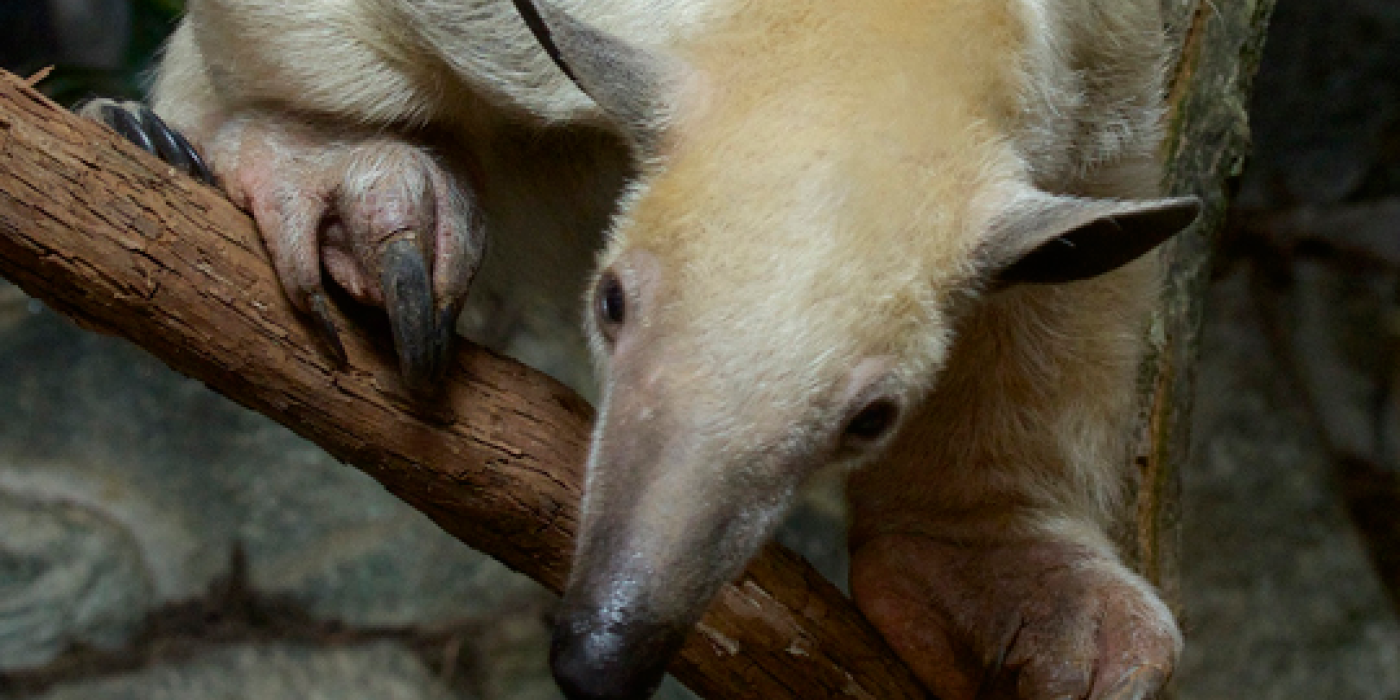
92 33
85 34
14 306
1334 322
1326 103
67 576
183 475
380 671
1281 601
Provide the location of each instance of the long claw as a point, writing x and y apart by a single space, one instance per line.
199 168
143 127
128 126
172 147
325 327
408 298
446 330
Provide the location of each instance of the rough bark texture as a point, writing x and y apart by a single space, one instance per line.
1218 47
123 245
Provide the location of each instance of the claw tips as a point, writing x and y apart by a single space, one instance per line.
138 124
408 297
325 328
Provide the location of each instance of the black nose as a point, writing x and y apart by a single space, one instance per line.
593 660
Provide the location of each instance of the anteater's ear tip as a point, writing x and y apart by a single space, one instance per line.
1187 208
1055 239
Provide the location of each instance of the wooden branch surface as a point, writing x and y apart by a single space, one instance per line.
122 244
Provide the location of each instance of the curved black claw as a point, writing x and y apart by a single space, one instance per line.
421 342
141 126
325 327
173 147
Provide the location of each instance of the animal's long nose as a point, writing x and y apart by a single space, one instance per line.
594 658
673 510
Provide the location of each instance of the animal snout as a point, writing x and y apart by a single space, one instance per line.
597 659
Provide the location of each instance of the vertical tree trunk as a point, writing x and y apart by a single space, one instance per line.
1219 44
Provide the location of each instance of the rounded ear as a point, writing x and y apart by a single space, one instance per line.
1050 239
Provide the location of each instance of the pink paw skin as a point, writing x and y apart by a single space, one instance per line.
1032 619
382 217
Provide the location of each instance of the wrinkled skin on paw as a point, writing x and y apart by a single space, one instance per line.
382 217
379 215
1022 620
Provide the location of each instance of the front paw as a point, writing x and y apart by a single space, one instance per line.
380 216
1029 620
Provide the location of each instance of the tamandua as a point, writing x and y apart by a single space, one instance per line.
904 238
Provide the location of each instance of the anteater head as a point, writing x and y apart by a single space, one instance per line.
779 290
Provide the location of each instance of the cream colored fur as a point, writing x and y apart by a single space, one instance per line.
826 197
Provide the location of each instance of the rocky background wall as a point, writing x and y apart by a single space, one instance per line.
158 542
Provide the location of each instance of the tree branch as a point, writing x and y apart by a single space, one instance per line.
122 244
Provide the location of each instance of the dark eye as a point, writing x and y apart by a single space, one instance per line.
873 421
611 303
